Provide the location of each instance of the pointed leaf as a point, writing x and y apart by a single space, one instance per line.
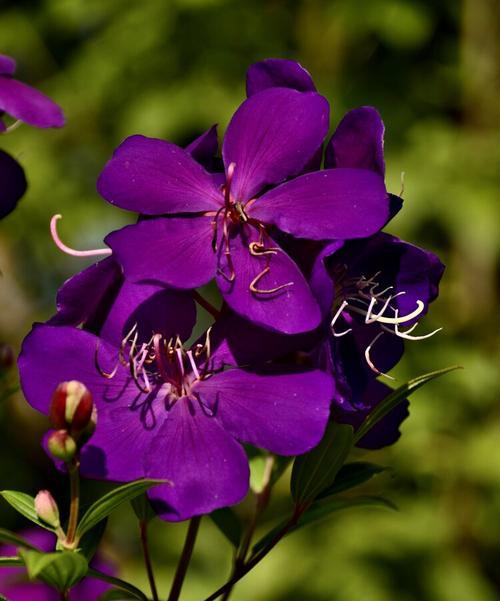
229 524
91 539
116 594
132 590
316 470
11 561
110 501
24 504
11 538
396 397
62 569
351 475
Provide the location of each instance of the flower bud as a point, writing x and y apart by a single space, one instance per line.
61 445
46 508
71 407
6 356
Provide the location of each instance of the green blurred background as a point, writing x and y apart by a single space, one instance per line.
171 68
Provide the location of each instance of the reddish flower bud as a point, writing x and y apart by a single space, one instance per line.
46 508
61 445
6 356
71 407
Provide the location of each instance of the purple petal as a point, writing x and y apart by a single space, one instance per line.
29 105
285 414
154 177
320 280
204 149
358 141
272 136
176 251
126 418
278 73
13 183
291 309
335 203
7 65
208 468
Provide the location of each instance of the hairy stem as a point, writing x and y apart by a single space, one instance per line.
143 526
74 482
207 305
184 559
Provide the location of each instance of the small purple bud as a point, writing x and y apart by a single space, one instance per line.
72 407
46 508
61 445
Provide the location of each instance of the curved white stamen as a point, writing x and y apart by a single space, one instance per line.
193 364
406 334
12 127
180 360
394 320
71 251
335 318
370 362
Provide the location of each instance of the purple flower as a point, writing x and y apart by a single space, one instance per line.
170 412
201 229
24 102
13 183
15 585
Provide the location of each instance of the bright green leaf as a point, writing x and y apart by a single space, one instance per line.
24 504
11 538
396 397
351 475
110 501
62 569
130 589
316 470
229 524
11 561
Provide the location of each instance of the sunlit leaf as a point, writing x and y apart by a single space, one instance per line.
62 569
24 504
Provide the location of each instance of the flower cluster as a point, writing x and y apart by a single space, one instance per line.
26 105
316 301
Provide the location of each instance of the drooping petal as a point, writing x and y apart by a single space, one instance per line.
7 65
29 105
358 141
281 298
204 148
278 73
176 251
207 467
283 413
12 183
155 177
272 136
320 279
335 203
126 418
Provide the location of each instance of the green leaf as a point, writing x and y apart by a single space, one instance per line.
322 509
11 561
110 501
90 540
229 524
132 590
24 504
316 470
142 508
351 475
116 594
257 472
396 397
11 538
62 569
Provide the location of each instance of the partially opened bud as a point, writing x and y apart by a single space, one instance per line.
46 508
61 445
71 407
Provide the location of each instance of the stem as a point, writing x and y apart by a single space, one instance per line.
258 557
185 558
74 482
143 526
207 305
261 502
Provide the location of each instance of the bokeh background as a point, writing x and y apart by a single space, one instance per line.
172 68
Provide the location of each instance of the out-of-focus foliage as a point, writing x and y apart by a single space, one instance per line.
170 68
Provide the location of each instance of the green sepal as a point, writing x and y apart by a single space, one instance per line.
61 570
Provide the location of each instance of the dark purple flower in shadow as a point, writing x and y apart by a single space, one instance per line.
23 102
12 183
206 230
167 411
15 585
